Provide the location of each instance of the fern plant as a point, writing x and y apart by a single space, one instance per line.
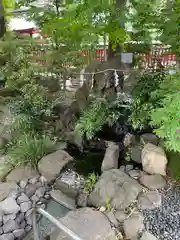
90 182
143 102
166 118
99 113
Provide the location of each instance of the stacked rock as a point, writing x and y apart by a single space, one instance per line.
17 208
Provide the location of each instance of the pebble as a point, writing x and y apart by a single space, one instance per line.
10 226
9 236
164 222
25 206
22 198
20 218
8 217
129 167
19 233
40 192
23 183
33 180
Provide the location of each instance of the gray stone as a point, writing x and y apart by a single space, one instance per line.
21 173
19 233
153 181
66 188
25 206
40 192
1 217
29 220
23 183
128 168
51 165
9 206
15 194
111 218
135 153
135 173
133 226
82 200
154 159
60 146
1 231
20 218
6 188
34 180
149 200
34 199
95 225
47 196
31 189
129 140
122 168
149 138
120 216
116 187
148 236
10 226
22 225
64 200
22 198
111 157
28 228
8 236
8 217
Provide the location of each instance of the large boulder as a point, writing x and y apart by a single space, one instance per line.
111 157
86 223
149 138
21 173
153 182
154 159
116 188
51 165
6 188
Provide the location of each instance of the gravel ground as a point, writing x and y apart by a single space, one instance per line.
164 221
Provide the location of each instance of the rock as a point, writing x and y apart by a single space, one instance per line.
10 226
111 157
95 225
1 231
4 168
23 183
120 216
135 173
149 138
153 181
20 218
3 142
64 200
148 236
28 228
82 200
66 188
1 217
6 188
9 206
8 217
122 168
22 225
21 173
19 233
116 187
129 140
9 236
128 168
34 180
154 159
133 226
135 153
22 198
25 206
40 192
47 196
60 146
51 165
34 199
43 180
149 200
15 194
31 189
76 139
29 219
111 218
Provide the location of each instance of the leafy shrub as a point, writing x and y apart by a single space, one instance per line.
90 182
166 117
29 149
99 113
143 102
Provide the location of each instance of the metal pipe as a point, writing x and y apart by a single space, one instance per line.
35 228
58 224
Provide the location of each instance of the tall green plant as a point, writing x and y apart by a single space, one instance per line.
166 117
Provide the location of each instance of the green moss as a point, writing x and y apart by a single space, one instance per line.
174 164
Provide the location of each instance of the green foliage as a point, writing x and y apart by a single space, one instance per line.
174 164
90 182
108 205
143 102
99 113
166 117
29 149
